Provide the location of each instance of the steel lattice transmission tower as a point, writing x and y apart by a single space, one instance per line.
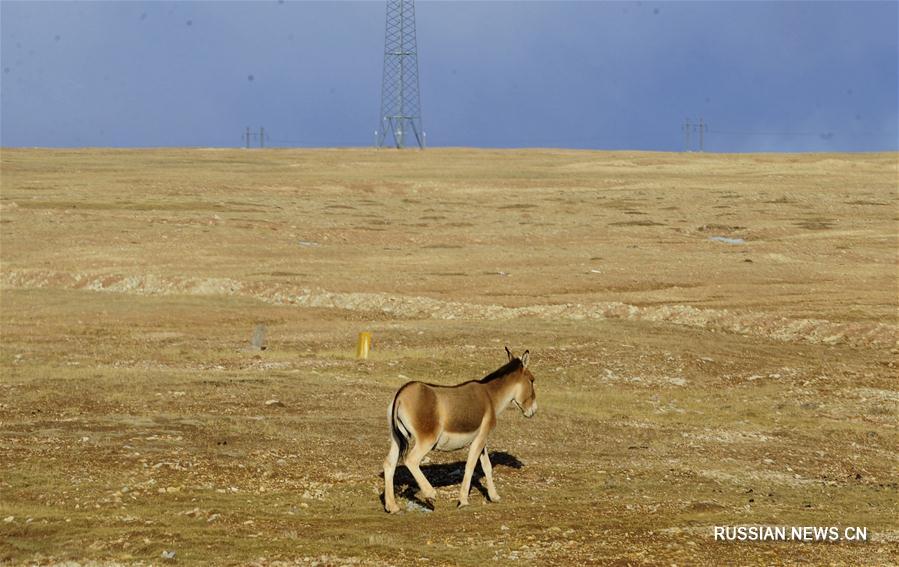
400 101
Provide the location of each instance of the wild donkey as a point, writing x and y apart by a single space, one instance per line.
447 418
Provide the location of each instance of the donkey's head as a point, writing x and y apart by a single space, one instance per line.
524 396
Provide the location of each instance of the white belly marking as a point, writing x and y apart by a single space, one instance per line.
452 441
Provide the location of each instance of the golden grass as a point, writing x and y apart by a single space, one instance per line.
649 432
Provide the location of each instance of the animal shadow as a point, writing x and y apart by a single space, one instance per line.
447 474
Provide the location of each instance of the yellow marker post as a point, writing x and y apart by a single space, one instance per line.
363 346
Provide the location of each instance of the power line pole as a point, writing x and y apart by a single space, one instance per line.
703 128
249 135
400 99
686 128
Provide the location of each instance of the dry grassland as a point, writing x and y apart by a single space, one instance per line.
684 382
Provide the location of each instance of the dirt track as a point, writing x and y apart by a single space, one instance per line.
685 380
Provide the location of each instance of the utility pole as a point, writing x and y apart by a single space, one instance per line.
703 128
686 128
249 135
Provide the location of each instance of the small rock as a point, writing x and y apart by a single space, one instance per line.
727 240
9 519
168 554
274 404
414 507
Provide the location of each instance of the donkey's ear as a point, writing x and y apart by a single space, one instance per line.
511 356
524 358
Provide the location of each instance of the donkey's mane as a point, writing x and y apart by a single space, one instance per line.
503 370
507 368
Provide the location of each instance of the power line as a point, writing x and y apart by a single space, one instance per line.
768 133
702 128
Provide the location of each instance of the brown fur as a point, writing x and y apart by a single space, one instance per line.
452 417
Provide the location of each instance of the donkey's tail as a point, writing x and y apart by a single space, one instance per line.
397 430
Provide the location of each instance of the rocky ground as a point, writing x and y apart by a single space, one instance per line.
714 341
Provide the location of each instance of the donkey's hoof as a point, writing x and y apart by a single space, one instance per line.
392 508
493 497
462 503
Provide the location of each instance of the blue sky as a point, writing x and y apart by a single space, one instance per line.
765 76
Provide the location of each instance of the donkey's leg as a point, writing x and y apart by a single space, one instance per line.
389 467
488 474
413 458
476 447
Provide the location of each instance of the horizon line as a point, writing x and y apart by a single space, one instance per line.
440 148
